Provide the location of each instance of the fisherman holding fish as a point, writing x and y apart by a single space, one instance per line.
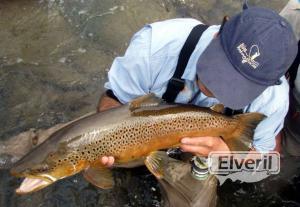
240 64
241 67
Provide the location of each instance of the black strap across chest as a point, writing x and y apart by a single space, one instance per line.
176 83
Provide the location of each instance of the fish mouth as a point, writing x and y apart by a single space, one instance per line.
29 185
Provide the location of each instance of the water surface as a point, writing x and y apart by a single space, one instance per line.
54 56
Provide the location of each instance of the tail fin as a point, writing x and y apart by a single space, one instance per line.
242 137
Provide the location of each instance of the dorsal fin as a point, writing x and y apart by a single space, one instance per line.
145 101
219 108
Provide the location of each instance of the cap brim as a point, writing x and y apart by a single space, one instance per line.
227 84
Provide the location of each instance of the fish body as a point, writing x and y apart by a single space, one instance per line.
130 133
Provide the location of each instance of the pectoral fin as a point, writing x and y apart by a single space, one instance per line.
155 162
100 177
145 101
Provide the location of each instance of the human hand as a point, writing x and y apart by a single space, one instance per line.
108 161
202 146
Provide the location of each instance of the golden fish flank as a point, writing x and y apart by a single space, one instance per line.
134 134
130 133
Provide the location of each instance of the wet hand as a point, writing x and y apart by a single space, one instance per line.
202 146
108 161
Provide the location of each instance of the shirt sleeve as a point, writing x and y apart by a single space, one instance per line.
274 105
129 76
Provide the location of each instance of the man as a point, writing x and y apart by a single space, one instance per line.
242 67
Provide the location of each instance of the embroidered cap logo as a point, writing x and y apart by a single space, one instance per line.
249 57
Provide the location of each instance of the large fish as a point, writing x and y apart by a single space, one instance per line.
131 133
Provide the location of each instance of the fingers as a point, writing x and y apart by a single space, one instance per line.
203 145
195 140
197 150
108 161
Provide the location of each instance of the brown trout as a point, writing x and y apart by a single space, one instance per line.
131 133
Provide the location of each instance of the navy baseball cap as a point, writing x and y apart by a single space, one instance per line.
254 49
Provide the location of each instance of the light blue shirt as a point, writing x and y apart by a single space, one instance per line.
151 59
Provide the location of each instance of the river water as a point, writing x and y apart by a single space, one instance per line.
54 56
